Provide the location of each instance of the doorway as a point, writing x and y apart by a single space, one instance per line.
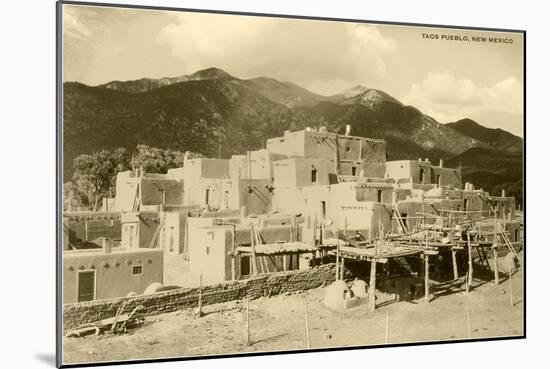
86 286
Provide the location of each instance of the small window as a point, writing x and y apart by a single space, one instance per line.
314 176
207 250
348 149
137 270
379 192
353 171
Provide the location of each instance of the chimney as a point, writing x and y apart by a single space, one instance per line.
427 160
348 129
106 246
441 163
503 193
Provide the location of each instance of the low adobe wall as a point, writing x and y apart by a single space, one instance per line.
77 314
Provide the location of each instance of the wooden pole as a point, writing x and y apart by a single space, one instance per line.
253 247
468 323
233 263
470 262
455 267
342 269
315 231
308 341
426 278
510 291
248 321
495 250
200 296
495 260
346 226
337 256
387 327
372 286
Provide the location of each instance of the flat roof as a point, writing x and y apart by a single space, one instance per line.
114 251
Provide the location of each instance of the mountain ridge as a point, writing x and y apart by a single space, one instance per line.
212 109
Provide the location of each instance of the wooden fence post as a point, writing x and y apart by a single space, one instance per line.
200 296
248 321
308 341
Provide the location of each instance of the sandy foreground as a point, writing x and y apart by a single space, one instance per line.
278 324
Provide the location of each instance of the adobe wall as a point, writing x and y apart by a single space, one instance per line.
77 314
297 172
208 248
448 177
113 272
151 191
254 194
89 226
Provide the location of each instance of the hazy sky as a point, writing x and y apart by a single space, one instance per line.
447 79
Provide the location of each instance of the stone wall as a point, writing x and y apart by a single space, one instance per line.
78 314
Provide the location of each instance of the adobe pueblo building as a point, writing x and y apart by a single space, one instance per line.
307 198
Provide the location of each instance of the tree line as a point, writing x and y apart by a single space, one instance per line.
94 175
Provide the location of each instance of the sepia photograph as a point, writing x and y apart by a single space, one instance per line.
240 184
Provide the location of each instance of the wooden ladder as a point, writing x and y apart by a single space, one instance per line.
157 231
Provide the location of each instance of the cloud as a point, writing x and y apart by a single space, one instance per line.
73 25
446 98
310 53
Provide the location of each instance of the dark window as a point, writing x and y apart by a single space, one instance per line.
438 180
353 171
379 195
245 265
207 197
422 175
314 176
137 270
207 250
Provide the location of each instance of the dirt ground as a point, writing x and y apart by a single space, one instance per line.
278 323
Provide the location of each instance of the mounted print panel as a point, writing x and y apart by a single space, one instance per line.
233 184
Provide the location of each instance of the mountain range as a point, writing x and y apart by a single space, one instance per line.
211 111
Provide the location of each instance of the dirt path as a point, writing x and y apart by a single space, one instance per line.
277 323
